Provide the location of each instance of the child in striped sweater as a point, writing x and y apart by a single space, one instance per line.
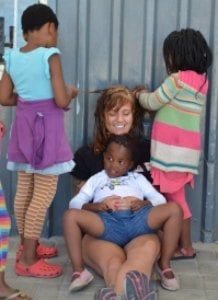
179 102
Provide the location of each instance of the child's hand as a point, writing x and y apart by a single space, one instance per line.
112 202
71 91
2 129
139 89
135 203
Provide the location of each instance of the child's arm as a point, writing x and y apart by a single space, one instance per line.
79 200
150 193
82 201
2 129
161 96
85 195
7 95
62 93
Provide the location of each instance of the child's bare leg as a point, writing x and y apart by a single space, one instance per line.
74 223
169 218
5 290
28 256
185 239
179 197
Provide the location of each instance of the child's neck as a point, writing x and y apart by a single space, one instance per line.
34 40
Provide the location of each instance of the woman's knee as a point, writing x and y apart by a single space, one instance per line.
145 244
106 264
115 260
152 245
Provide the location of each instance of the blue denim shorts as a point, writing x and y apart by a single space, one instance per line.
124 225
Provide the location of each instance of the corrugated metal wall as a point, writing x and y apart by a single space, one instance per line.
106 42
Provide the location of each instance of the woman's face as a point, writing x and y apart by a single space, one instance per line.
119 121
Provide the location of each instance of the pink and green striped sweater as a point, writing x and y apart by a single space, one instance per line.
176 138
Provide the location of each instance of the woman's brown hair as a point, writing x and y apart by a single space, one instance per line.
110 98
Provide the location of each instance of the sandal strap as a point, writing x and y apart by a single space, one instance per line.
76 273
167 270
185 252
19 294
14 295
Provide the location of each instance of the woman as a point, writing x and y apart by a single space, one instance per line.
117 113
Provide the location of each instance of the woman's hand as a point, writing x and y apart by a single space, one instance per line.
135 203
96 207
114 202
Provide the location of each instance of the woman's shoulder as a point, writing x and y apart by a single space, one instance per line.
84 151
87 162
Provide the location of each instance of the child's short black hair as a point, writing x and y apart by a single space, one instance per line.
37 15
186 49
129 143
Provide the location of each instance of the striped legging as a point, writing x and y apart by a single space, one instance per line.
5 225
34 195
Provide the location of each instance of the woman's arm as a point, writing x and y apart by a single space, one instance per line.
87 162
77 185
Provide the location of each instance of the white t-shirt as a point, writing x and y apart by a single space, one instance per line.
100 186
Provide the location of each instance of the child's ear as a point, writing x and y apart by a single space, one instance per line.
51 28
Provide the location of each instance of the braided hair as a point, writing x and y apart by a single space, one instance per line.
186 49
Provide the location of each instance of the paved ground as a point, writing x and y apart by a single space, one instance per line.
198 277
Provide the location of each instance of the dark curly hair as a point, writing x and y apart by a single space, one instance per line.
114 97
37 15
129 143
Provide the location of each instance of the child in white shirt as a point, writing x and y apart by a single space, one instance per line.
126 217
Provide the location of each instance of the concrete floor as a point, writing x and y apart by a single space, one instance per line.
198 277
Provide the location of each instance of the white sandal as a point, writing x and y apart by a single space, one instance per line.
81 280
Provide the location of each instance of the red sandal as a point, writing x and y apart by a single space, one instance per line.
40 269
42 251
183 253
46 251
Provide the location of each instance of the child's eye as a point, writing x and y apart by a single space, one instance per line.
109 158
121 162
